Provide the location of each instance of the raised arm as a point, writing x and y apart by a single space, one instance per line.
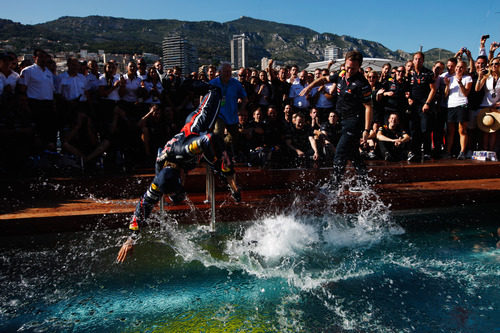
318 82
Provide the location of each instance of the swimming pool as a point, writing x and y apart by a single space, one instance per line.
287 272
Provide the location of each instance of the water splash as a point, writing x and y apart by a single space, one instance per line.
288 272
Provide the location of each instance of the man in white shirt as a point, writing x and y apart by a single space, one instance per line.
72 86
8 77
37 85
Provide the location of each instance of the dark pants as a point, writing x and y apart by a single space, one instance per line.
167 181
44 117
348 147
420 128
395 153
440 118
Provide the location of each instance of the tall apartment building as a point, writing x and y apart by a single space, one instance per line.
332 52
239 51
177 51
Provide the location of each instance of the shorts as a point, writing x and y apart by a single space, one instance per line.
458 114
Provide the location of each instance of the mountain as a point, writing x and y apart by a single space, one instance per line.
283 42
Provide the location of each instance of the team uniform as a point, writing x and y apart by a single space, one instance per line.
390 151
421 122
183 152
396 103
352 94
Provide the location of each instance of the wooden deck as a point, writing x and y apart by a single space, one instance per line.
68 204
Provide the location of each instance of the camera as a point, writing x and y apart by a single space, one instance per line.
463 49
484 71
485 37
495 44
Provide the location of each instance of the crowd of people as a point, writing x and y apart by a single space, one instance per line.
82 119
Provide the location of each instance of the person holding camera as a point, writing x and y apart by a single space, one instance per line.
475 99
490 84
457 89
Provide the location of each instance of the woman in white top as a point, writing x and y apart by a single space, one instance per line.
153 87
457 89
491 85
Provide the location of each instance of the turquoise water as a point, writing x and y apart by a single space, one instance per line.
280 273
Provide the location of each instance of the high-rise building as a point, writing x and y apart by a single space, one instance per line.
177 51
239 51
333 52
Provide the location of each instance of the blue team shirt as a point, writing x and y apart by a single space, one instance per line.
229 103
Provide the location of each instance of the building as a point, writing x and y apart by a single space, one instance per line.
177 51
332 52
239 51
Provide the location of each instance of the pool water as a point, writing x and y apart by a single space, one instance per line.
288 272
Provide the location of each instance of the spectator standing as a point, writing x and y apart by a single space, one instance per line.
37 83
457 89
263 91
159 69
10 112
280 87
142 72
385 73
491 85
440 110
154 89
393 95
231 92
242 78
324 96
422 91
73 88
300 102
294 74
475 99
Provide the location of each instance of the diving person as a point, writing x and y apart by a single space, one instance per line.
195 143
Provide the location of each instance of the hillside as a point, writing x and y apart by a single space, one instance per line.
285 42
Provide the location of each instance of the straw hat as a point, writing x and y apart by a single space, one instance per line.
488 120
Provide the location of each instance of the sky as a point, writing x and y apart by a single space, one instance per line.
402 24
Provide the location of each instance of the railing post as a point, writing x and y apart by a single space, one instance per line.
210 196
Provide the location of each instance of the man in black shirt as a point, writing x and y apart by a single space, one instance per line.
393 140
330 135
354 107
301 142
422 91
280 87
393 96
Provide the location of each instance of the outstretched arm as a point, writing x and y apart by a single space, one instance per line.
126 249
318 82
